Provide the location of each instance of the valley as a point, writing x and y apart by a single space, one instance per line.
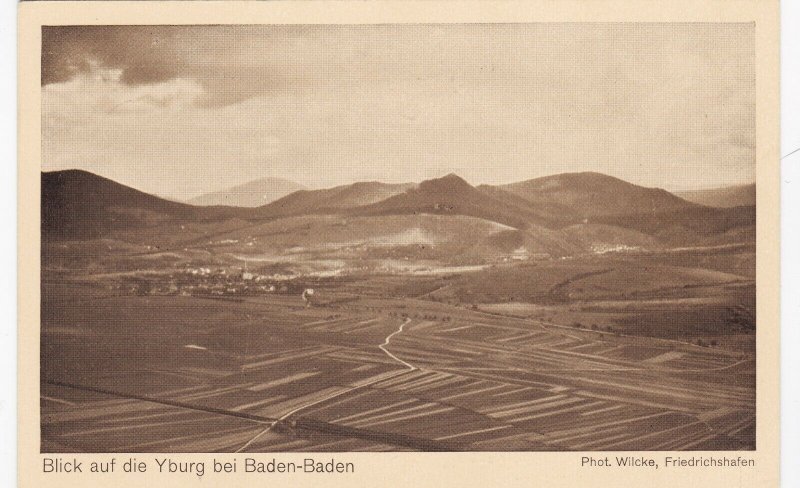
444 317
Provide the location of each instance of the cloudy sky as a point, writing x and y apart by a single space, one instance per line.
182 110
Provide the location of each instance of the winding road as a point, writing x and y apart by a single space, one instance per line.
382 347
386 343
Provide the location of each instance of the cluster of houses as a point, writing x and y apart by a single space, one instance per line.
227 282
205 281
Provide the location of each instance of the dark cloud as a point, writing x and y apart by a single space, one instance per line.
142 53
211 56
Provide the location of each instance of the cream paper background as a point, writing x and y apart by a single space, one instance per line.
507 469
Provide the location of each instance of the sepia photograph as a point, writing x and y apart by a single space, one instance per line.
398 237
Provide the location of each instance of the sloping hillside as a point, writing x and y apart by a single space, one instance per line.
451 195
333 199
687 225
81 205
594 194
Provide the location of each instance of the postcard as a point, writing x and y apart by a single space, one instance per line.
398 244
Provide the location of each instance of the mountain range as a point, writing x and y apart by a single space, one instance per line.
251 194
561 213
725 197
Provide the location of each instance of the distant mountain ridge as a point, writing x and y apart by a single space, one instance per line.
453 195
562 212
333 199
251 194
591 194
724 197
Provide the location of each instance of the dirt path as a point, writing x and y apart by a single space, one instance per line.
336 394
382 347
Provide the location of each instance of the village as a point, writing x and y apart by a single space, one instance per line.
203 281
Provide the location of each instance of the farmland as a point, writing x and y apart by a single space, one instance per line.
435 316
137 373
